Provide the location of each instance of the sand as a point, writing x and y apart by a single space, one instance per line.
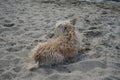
24 23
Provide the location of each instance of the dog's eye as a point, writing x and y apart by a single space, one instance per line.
65 28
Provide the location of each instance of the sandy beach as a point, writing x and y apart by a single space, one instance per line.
25 23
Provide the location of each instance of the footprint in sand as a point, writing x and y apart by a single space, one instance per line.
93 34
8 23
15 49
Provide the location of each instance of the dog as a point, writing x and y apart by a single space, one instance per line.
63 47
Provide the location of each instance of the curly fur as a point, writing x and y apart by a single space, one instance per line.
63 47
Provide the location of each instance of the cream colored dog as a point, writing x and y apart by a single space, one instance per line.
54 51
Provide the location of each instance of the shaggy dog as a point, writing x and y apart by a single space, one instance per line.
63 47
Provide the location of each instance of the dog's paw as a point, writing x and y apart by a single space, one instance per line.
32 67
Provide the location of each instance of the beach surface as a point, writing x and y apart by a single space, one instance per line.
25 23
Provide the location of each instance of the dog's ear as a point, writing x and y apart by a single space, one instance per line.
73 21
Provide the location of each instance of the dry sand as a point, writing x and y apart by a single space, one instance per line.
24 23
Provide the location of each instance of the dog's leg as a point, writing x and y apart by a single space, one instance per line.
32 66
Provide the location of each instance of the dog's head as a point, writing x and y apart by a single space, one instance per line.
64 26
